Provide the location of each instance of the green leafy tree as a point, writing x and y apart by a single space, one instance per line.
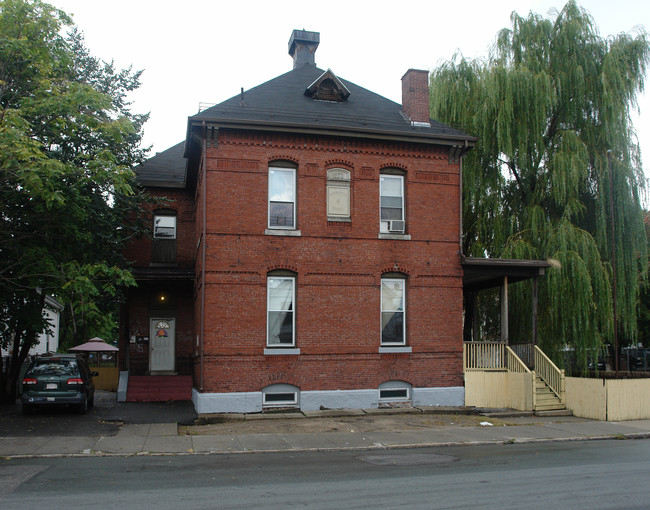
644 297
547 105
68 203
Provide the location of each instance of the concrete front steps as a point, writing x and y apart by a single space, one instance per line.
159 388
546 401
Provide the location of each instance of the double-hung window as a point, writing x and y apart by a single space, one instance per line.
164 226
391 197
393 311
282 198
280 311
163 245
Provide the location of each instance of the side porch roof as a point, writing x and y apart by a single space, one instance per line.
485 273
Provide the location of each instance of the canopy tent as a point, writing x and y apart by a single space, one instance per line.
102 358
94 345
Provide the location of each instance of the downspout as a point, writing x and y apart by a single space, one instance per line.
472 335
460 200
203 248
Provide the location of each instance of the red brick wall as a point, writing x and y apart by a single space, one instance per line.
338 265
181 201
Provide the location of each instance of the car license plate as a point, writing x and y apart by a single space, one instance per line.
50 386
50 399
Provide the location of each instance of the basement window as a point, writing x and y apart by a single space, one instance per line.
394 391
397 393
280 395
279 398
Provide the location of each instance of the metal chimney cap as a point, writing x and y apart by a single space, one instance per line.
303 36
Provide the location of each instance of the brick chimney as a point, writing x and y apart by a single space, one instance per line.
302 47
415 96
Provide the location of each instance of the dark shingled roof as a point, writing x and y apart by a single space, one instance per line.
164 170
281 103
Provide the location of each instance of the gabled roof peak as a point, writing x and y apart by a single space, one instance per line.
328 87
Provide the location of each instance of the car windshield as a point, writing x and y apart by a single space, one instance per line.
55 367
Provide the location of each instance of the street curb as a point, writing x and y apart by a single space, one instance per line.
377 446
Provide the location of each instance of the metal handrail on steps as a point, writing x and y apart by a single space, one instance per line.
550 373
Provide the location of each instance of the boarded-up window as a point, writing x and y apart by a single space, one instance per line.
338 194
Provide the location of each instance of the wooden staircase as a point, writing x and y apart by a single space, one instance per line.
545 398
159 388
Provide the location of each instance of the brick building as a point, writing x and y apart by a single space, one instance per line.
308 254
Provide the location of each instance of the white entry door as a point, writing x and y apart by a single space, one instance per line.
162 345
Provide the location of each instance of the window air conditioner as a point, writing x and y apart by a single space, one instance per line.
396 226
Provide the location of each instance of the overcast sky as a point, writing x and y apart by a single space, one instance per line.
204 51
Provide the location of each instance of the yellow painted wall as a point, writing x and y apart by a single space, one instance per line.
499 390
586 398
608 399
597 399
107 379
628 399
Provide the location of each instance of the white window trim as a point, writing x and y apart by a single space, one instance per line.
403 218
282 346
403 311
277 231
295 199
398 349
395 237
280 351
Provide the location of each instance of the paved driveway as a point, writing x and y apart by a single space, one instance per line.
104 419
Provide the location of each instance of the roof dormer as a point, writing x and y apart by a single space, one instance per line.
327 87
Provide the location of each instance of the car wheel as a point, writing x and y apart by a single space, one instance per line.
83 407
27 409
91 402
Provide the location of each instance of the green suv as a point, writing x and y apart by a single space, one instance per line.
58 379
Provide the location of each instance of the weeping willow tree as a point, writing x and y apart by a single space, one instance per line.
547 105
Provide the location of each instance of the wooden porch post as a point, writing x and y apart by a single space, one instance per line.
534 303
469 327
504 311
476 326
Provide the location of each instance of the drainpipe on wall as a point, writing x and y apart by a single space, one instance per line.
463 151
460 203
203 250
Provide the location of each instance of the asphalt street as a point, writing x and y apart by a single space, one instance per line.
572 475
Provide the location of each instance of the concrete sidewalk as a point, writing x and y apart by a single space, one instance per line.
234 438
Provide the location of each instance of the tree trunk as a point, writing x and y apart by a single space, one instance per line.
24 337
